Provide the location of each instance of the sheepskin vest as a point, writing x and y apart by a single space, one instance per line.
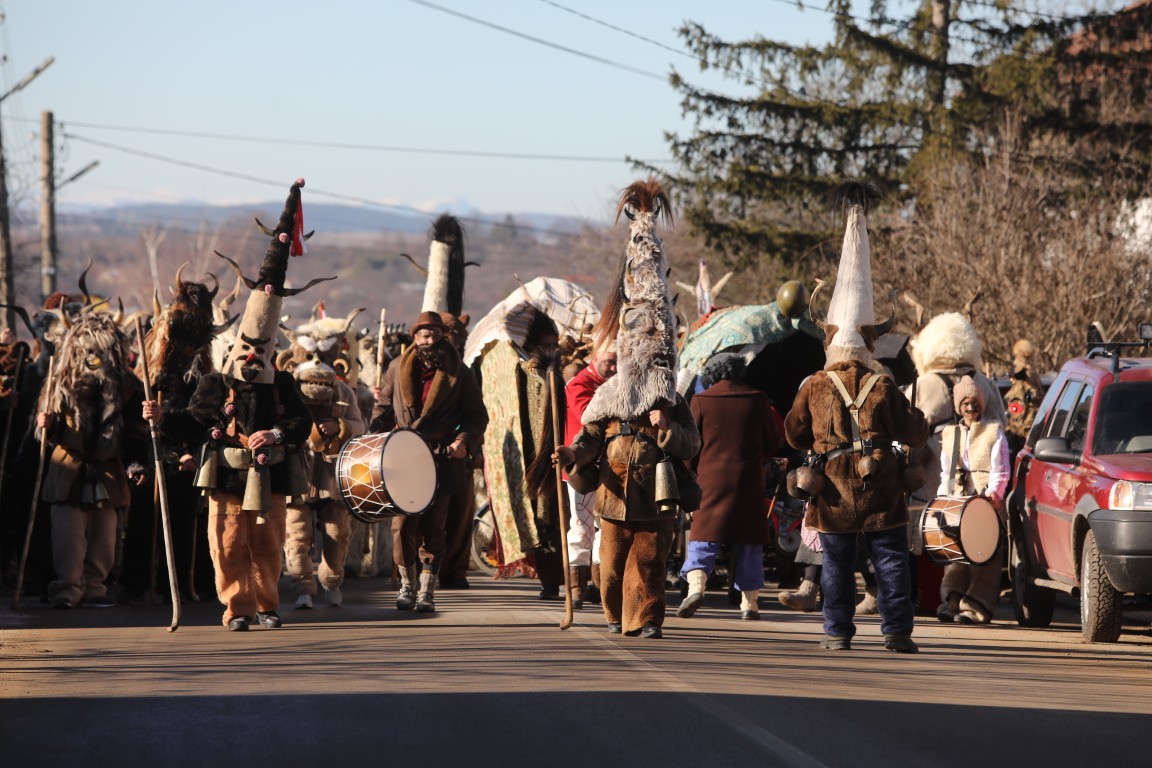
981 440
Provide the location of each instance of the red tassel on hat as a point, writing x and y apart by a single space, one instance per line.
299 245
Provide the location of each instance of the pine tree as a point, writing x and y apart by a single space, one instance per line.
895 100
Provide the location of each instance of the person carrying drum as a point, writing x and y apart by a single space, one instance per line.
849 415
429 389
973 462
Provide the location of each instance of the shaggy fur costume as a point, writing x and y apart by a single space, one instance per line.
639 316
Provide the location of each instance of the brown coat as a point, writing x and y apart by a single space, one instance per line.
72 466
737 435
820 422
628 469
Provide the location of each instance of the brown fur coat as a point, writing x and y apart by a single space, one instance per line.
820 422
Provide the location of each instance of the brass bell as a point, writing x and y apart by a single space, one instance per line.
667 489
258 492
809 481
208 474
867 467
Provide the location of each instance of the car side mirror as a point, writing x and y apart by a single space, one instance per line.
1055 450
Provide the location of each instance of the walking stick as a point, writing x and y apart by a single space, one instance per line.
13 402
380 350
161 486
35 489
561 499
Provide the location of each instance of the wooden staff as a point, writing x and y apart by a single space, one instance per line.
35 489
13 402
380 351
161 486
561 498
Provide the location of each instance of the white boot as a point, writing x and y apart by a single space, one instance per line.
697 583
803 599
867 606
425 602
750 605
406 597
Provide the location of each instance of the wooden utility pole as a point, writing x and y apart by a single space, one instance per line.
7 281
47 209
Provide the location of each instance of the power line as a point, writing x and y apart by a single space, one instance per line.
335 144
539 41
406 210
621 30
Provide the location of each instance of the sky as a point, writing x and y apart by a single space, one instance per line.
389 103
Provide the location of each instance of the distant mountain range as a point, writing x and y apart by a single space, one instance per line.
331 218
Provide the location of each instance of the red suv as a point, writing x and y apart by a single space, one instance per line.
1080 512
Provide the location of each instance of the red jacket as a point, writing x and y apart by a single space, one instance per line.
577 394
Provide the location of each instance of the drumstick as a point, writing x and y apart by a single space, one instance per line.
380 350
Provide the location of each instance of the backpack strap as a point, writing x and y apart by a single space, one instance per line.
853 406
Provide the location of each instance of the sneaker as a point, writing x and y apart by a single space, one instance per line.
689 605
405 599
425 603
614 628
969 616
98 602
334 597
269 619
61 603
651 631
900 644
830 643
304 602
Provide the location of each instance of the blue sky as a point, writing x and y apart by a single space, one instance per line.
316 89
387 73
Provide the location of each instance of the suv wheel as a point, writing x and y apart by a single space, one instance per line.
1100 602
1032 605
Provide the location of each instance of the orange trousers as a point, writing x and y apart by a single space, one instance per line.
246 554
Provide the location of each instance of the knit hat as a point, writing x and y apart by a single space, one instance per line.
964 389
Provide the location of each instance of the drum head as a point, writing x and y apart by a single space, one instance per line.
409 471
979 530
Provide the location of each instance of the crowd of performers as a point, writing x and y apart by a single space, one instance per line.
246 433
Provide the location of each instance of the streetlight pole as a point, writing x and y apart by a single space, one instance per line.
7 278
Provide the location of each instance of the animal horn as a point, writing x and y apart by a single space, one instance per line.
293 291
351 317
156 308
236 268
291 334
180 282
218 329
23 315
971 303
212 293
66 319
84 283
264 229
911 301
230 299
886 326
119 316
812 299
419 268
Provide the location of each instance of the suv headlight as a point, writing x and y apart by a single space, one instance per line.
1128 495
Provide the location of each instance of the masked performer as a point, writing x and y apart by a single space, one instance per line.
634 421
254 422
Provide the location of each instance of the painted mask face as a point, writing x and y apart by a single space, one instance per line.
251 359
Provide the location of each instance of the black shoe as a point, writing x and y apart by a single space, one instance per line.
592 595
900 644
238 624
269 619
549 593
750 615
689 605
830 643
62 603
651 631
614 628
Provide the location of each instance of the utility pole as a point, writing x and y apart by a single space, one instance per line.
47 209
48 251
7 278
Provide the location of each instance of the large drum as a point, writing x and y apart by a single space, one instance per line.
386 474
960 529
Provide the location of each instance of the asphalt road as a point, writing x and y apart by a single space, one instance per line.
490 680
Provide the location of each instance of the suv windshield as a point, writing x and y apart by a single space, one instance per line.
1124 419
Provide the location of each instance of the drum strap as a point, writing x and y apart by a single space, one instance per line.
853 406
958 472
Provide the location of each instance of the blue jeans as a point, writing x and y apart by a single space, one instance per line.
747 563
888 551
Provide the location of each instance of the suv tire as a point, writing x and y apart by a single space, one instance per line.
1032 605
1101 605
